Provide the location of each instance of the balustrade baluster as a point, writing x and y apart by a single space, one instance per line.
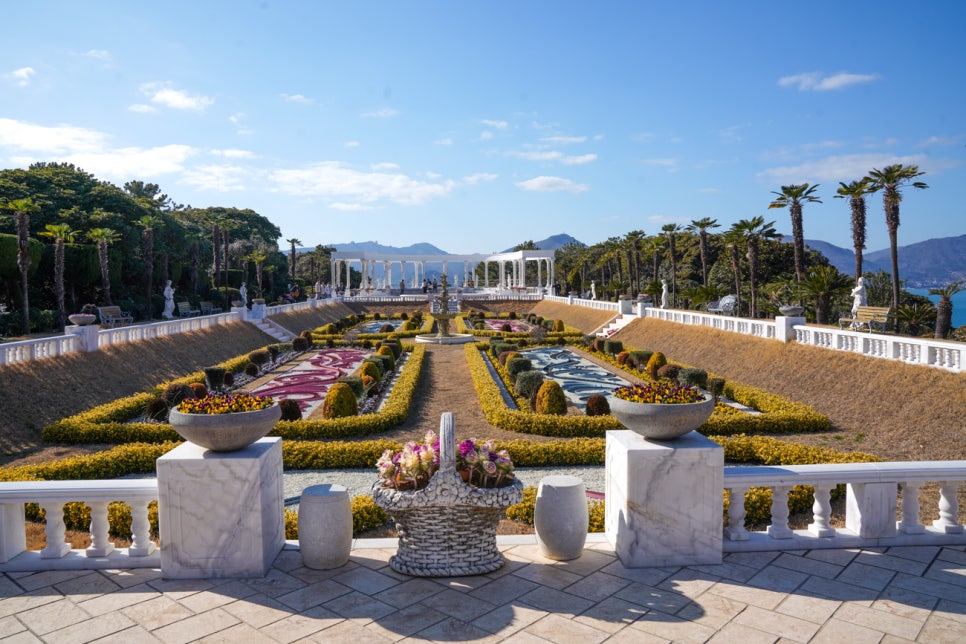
822 511
779 514
948 508
57 547
910 509
736 514
101 545
141 544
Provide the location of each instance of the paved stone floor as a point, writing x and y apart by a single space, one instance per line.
854 596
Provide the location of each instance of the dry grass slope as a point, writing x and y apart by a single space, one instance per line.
579 317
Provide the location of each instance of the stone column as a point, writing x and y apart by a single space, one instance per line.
87 335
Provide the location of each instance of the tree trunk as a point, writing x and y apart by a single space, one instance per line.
944 317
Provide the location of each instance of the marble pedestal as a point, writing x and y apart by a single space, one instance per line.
220 513
664 499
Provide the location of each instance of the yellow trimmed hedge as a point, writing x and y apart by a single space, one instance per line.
523 511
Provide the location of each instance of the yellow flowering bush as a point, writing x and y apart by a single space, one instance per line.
225 404
662 392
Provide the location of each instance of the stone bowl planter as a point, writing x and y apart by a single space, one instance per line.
225 432
791 311
82 319
448 528
661 421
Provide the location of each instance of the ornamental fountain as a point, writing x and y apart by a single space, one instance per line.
443 317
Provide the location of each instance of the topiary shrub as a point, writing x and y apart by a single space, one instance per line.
403 316
613 347
340 402
387 328
175 393
215 377
260 358
393 345
517 365
506 328
384 362
369 368
622 358
355 382
300 344
229 379
251 370
597 405
273 351
199 388
495 339
507 355
669 372
551 399
156 410
528 383
512 315
366 515
716 387
329 342
693 377
558 326
638 359
561 341
290 409
656 362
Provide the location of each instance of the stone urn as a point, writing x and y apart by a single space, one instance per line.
225 432
82 319
661 422
791 310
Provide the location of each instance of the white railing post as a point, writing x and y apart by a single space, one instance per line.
910 509
948 508
822 511
870 509
736 514
779 514
56 532
141 544
101 545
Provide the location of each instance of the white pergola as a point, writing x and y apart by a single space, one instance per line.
512 269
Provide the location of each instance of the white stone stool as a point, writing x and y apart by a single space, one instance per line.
560 517
325 526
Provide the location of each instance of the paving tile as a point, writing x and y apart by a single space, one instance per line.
463 584
178 588
779 624
952 610
196 626
813 609
37 580
235 634
817 586
288 560
880 620
132 577
932 587
507 619
313 595
948 572
552 600
890 562
365 581
939 629
741 593
275 583
833 556
372 558
8 587
218 596
135 633
456 605
835 631
301 625
10 625
666 601
690 583
257 611
409 592
735 632
597 586
611 615
53 616
892 639
751 559
925 554
646 576
671 628
117 600
348 632
544 575
503 590
634 636
728 570
780 580
587 563
25 637
86 587
808 566
904 602
157 612
556 628
453 630
358 606
711 610
866 576
955 556
91 629
405 621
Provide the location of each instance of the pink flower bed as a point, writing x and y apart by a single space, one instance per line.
308 382
516 326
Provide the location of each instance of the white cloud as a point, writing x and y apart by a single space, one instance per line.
731 134
97 54
845 167
564 140
232 153
444 141
217 178
381 113
59 139
141 108
378 167
433 175
671 165
238 120
579 160
819 82
496 125
938 140
486 135
349 206
298 98
551 184
351 144
21 76
552 155
338 181
164 94
478 177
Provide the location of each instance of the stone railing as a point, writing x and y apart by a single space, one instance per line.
138 332
27 350
870 507
58 555
924 351
746 326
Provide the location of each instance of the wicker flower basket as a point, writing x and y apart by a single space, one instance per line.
448 528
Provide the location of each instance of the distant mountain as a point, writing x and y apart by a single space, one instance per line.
553 242
934 262
422 248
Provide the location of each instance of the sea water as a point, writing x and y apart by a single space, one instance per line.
958 300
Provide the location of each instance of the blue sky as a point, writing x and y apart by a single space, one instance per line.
474 126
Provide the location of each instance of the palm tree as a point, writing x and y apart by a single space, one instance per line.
671 231
823 284
733 238
293 242
944 308
793 197
916 318
702 226
149 223
61 234
21 211
889 180
258 257
653 247
856 191
633 241
104 237
753 231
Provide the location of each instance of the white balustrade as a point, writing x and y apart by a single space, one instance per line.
922 351
27 350
871 495
57 555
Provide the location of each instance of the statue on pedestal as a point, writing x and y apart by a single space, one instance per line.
858 296
168 313
664 303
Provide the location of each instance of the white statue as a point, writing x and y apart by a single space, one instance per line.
243 294
858 295
593 290
168 313
664 303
